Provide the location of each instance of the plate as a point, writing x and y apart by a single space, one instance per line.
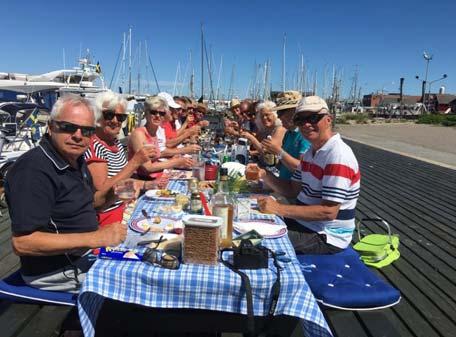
154 194
178 174
166 224
266 229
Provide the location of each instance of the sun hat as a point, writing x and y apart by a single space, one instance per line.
287 100
201 107
312 104
234 102
169 99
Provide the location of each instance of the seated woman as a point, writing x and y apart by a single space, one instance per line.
268 124
156 110
106 157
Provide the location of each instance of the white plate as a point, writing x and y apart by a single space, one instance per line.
266 229
152 194
141 225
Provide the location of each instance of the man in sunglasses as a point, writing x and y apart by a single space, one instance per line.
325 184
50 195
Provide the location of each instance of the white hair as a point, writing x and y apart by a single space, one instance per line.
266 105
154 103
260 108
73 100
108 100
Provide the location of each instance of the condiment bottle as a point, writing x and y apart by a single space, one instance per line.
223 206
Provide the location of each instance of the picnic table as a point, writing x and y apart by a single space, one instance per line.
214 288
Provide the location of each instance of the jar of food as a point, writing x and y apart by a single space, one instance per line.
196 206
192 185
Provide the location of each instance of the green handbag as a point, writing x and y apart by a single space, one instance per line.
377 250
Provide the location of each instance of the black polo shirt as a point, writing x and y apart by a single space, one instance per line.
44 193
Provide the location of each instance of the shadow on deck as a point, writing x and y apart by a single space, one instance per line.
419 201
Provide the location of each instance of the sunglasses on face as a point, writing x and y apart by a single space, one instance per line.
108 115
155 113
67 127
311 119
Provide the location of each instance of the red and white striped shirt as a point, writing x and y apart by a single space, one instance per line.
332 173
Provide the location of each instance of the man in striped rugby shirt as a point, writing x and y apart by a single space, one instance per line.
325 184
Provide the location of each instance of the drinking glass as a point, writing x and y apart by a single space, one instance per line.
125 190
198 170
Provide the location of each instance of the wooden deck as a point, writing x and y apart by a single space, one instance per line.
416 198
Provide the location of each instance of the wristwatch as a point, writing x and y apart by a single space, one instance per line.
280 155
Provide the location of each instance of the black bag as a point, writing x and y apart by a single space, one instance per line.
248 256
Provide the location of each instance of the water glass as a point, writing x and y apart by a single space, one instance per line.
198 170
243 209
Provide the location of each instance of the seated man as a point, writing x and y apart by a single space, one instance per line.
293 145
325 184
50 196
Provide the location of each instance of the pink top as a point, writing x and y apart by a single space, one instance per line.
149 140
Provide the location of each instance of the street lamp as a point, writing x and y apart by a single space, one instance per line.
428 58
430 83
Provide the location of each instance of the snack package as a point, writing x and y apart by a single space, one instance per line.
121 254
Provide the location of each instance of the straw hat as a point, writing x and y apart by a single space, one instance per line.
201 107
235 102
287 100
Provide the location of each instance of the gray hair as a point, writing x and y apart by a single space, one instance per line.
260 108
108 100
266 105
73 100
154 103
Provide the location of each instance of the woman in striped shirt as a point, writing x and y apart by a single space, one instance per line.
107 158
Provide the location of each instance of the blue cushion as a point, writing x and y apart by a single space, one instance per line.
343 281
13 288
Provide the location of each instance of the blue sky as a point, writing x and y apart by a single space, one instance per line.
384 39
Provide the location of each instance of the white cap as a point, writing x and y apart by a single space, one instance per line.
312 104
169 99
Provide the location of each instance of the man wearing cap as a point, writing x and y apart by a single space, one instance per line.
326 186
293 144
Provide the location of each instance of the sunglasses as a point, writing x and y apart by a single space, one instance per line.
109 115
311 119
67 127
155 112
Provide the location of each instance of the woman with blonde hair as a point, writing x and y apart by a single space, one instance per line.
156 112
106 157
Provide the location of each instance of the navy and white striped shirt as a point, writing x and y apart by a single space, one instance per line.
114 156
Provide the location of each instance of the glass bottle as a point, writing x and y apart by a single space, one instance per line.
223 206
269 159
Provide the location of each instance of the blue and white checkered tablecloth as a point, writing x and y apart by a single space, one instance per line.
199 287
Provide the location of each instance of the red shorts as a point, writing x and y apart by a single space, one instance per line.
109 217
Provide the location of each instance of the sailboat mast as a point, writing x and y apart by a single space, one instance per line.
175 79
192 76
283 61
219 77
129 63
139 69
202 62
230 90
